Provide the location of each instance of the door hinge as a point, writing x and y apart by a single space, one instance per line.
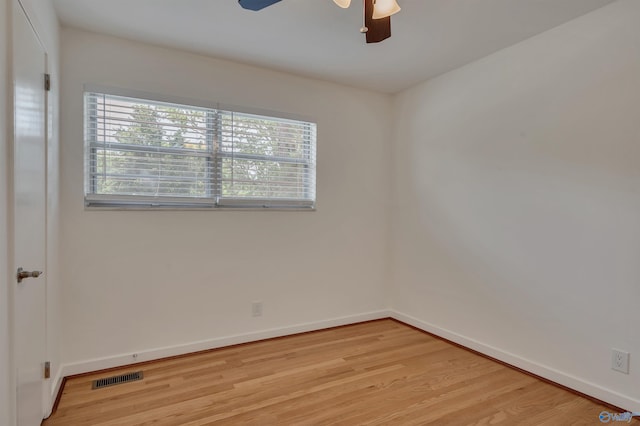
47 82
47 370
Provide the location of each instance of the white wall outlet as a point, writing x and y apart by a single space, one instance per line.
620 361
256 309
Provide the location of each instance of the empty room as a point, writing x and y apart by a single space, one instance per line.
287 212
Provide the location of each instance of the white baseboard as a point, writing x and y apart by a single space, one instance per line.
158 353
572 382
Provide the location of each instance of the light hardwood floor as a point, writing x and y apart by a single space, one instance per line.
378 373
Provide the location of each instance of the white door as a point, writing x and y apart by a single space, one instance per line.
29 217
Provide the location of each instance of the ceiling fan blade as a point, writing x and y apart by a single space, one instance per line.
256 4
379 29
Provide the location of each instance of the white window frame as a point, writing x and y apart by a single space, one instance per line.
214 200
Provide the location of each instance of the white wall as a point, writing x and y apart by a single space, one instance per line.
142 280
516 226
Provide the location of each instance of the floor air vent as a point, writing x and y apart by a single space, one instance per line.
117 380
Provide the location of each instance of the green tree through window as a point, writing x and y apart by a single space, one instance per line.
153 153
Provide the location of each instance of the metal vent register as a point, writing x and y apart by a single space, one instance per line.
117 380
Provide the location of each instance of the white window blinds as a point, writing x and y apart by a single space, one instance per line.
156 154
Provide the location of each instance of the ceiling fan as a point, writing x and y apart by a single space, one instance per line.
377 15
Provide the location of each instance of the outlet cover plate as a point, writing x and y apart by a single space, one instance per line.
256 309
620 361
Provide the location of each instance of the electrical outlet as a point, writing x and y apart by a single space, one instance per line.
256 309
620 361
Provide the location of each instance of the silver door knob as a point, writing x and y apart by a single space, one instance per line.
22 274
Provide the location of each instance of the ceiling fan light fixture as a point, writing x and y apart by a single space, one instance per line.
384 8
342 3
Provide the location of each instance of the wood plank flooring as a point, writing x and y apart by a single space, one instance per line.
377 373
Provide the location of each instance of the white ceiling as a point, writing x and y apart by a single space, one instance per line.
316 38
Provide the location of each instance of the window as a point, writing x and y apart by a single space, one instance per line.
143 153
